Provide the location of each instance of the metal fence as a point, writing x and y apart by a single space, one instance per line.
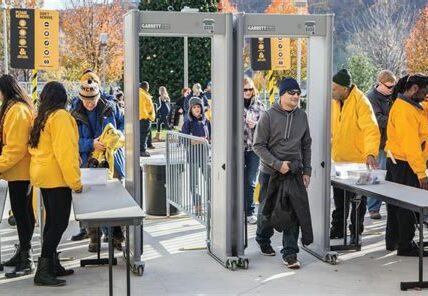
188 175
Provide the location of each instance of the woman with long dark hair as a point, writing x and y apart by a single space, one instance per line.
16 117
54 168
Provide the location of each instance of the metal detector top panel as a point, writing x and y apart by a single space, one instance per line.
259 25
176 24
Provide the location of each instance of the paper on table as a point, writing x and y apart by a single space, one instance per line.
92 176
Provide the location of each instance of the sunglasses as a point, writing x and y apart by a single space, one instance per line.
293 92
388 86
248 89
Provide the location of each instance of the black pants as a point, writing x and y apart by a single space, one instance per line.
400 223
57 203
341 206
163 119
21 193
144 132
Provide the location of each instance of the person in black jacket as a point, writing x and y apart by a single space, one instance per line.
282 141
380 99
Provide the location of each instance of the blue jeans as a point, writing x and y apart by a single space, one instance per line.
251 170
374 204
265 229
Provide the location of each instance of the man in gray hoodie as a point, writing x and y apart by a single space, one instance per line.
283 143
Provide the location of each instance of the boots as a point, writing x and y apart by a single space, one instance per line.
15 258
24 266
44 274
157 137
58 269
94 239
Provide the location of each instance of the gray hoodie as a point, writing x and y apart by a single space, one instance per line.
283 136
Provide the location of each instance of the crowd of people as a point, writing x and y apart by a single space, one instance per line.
46 146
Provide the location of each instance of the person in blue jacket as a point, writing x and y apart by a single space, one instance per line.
93 111
197 125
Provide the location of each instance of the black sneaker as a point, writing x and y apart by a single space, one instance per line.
291 262
25 265
80 236
14 260
267 250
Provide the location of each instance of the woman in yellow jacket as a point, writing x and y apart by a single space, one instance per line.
55 170
16 117
407 153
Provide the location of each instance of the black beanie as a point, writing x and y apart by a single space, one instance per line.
343 78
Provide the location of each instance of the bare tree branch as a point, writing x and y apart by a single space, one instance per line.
380 32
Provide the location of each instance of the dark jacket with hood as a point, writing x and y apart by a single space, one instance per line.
283 136
381 105
107 111
198 127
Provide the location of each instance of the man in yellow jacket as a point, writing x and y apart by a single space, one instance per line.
407 158
147 115
355 138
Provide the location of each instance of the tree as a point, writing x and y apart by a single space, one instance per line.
226 6
82 23
161 62
380 31
363 71
417 45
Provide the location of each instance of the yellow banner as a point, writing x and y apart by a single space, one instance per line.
46 40
281 53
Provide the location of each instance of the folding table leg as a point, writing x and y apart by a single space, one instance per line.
110 260
128 267
419 284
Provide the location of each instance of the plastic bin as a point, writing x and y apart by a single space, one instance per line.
154 186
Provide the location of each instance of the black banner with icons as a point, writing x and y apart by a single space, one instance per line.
22 38
260 54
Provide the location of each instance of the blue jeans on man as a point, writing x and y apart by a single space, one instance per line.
251 170
374 204
264 228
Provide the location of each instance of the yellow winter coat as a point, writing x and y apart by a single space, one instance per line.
113 139
407 133
55 161
147 110
354 130
15 159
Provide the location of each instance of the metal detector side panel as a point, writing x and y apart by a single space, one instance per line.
240 218
318 110
223 175
132 123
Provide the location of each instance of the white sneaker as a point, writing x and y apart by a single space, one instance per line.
252 219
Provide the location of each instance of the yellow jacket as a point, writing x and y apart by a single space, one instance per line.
354 130
113 139
15 159
407 133
147 110
55 161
